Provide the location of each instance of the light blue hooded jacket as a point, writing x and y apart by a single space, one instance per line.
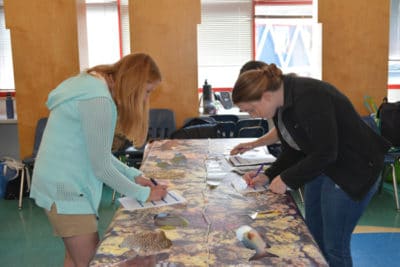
74 157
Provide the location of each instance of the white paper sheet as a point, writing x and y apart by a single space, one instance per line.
255 156
240 185
132 204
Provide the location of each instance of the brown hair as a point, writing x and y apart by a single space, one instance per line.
251 84
127 80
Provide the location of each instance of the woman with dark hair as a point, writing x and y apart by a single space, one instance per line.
74 158
326 146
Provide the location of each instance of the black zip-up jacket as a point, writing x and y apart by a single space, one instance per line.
332 137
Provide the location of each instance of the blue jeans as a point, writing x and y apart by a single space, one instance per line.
331 216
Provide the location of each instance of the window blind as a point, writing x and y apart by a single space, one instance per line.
394 49
224 40
124 22
6 63
102 32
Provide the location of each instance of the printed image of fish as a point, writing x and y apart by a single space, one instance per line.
251 239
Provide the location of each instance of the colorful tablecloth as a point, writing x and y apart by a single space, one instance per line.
213 214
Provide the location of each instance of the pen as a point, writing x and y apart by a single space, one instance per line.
153 181
171 195
259 170
257 173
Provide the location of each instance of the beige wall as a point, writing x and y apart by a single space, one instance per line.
167 30
44 38
355 47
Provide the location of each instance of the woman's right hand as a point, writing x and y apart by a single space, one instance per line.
241 148
157 192
251 178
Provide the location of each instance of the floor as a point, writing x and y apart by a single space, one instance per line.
27 240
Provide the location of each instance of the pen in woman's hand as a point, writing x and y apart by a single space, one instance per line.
250 180
259 170
153 181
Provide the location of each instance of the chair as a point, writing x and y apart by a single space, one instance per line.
30 160
250 123
227 128
225 117
161 124
391 157
40 126
252 131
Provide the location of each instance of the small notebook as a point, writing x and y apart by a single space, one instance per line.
171 198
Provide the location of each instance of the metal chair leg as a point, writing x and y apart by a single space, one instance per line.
21 189
394 178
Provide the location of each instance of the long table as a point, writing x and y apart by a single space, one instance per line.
213 215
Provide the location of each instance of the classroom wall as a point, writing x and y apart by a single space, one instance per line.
355 47
48 46
46 50
167 30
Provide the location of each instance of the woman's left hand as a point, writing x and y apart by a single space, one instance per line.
277 185
143 181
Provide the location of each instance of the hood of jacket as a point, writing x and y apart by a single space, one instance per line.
80 87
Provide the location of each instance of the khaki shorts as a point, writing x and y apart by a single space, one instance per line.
67 225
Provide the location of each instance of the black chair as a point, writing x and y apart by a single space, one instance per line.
391 157
225 117
250 123
161 124
227 129
29 161
252 131
40 126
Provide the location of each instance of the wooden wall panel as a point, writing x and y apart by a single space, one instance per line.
167 30
355 47
44 38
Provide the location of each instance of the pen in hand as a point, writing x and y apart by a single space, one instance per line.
258 172
156 183
153 181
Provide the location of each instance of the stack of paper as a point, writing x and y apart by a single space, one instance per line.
170 199
240 185
255 156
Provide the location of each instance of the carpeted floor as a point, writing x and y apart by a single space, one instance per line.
376 249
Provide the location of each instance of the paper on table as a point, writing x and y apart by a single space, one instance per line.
240 185
132 204
243 169
255 156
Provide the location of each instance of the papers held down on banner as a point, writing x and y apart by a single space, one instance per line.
255 156
241 186
170 199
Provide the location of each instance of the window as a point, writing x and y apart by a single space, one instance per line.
106 22
104 29
394 43
288 35
224 40
6 64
